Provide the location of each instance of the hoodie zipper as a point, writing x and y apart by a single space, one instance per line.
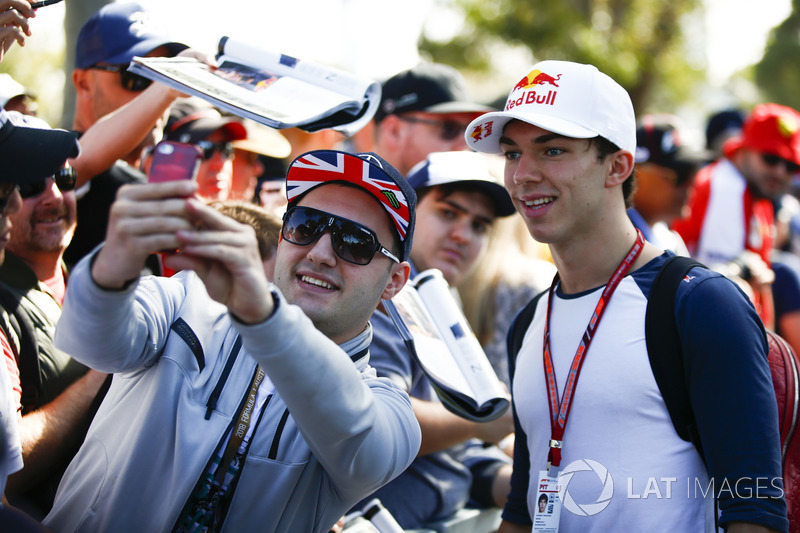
215 394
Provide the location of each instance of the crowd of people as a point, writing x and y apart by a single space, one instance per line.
212 354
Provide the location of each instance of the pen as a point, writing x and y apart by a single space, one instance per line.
37 5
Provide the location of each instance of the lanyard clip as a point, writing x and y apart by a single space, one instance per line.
554 458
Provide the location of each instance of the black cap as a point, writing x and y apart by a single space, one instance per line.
193 119
723 125
30 150
658 141
429 87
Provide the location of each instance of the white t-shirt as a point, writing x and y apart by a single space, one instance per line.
618 421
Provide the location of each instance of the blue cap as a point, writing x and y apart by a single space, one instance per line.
118 32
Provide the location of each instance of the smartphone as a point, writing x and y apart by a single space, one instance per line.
174 161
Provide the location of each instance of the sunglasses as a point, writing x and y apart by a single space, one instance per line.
772 160
208 148
65 179
6 190
449 129
130 81
351 241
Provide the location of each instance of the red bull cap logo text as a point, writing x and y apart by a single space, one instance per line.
481 131
531 97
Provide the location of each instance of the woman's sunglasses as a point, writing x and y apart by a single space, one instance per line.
65 179
351 241
130 81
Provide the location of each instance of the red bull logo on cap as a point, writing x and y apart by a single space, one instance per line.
534 79
481 131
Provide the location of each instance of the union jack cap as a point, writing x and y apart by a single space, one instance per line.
367 171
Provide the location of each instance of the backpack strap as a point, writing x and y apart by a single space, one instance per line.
517 331
664 347
663 344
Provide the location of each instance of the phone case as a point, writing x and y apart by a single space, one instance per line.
174 161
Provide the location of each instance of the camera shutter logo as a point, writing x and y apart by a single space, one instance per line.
586 509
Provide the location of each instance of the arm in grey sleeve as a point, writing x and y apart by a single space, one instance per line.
360 427
115 331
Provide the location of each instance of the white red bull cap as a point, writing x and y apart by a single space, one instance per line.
571 99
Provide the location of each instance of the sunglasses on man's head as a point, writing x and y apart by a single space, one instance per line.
772 160
225 149
65 179
353 242
449 129
130 81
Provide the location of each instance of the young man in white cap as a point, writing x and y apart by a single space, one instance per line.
236 405
568 134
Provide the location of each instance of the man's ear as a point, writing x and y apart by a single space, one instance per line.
390 133
82 82
397 279
621 166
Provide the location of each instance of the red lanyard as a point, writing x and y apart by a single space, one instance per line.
559 412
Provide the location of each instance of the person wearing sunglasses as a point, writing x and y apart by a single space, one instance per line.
23 163
117 114
731 205
52 392
423 109
731 200
195 121
238 405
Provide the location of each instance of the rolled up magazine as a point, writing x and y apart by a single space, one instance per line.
274 89
440 339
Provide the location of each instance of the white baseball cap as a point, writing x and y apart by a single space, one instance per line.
9 88
468 168
571 99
